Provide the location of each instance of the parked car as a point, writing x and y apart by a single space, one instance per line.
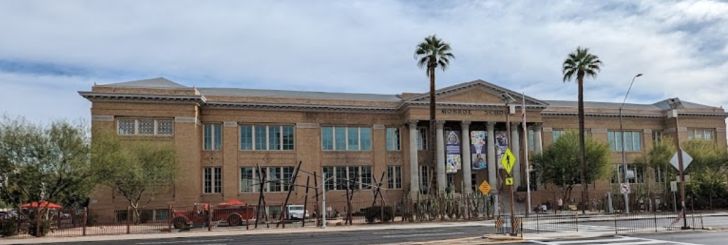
296 212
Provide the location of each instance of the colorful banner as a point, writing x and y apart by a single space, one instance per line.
501 142
452 152
478 150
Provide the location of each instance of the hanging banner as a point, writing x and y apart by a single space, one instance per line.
478 150
452 152
501 143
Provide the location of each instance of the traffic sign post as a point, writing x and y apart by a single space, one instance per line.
509 181
625 188
507 161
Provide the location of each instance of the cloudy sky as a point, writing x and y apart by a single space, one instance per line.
49 50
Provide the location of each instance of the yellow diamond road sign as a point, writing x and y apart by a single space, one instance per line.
509 181
484 188
508 160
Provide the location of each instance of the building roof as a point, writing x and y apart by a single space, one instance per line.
158 82
296 94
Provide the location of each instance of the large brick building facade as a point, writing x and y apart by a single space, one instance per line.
222 134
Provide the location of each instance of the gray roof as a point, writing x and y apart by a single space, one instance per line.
297 94
662 105
158 82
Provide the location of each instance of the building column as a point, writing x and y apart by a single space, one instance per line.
537 138
414 170
441 177
492 165
465 142
516 149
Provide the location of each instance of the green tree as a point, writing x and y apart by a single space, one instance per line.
430 54
556 165
579 64
137 169
43 163
707 171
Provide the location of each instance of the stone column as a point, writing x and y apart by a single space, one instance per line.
492 165
465 142
441 177
537 143
414 170
516 149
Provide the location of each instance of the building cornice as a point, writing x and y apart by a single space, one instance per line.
146 98
298 107
616 115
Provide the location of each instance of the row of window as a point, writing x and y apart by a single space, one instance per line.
145 127
346 138
277 179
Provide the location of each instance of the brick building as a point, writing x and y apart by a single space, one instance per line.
222 134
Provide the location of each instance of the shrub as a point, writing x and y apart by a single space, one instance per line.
8 227
45 227
92 219
375 212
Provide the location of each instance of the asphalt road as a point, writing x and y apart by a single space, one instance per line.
329 238
678 238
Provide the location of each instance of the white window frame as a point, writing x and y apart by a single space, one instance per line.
396 173
213 180
360 185
616 141
346 138
212 137
395 141
136 126
692 132
422 142
267 137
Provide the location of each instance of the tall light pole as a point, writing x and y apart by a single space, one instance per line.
676 104
621 132
508 99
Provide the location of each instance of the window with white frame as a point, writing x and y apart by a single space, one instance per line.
422 133
632 141
393 139
556 133
394 177
635 174
425 174
266 137
277 179
162 127
355 177
212 137
701 133
212 180
346 138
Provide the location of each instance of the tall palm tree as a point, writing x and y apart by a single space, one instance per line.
432 53
581 63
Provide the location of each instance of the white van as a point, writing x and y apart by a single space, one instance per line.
296 212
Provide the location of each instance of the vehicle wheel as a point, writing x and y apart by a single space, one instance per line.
234 220
178 222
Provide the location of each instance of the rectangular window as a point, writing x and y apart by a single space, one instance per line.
328 173
366 177
246 137
247 180
531 140
274 138
274 179
424 177
660 175
212 180
394 177
261 137
346 139
393 141
354 180
556 133
161 214
212 137
701 133
632 141
288 141
341 178
287 177
145 127
422 138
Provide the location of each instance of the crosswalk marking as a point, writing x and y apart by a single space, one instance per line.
618 240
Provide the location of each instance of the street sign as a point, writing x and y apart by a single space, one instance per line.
509 181
686 161
508 160
484 187
625 188
673 186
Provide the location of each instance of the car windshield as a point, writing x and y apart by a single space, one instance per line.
295 208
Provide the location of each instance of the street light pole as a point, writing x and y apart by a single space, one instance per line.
676 104
507 98
621 132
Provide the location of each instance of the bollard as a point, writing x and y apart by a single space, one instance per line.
702 226
615 224
577 222
85 219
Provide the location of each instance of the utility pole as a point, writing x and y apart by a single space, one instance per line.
507 98
676 104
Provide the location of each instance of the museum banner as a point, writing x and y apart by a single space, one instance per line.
478 150
452 152
501 143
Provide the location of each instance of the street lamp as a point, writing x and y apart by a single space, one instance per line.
676 104
508 99
621 130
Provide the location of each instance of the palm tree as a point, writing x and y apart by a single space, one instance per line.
431 53
581 63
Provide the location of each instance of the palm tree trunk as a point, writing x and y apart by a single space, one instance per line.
582 147
433 132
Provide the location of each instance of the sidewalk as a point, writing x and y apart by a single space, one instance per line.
233 232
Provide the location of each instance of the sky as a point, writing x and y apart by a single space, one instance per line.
50 50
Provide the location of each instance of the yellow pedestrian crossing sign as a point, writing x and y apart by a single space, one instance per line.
484 187
509 181
508 160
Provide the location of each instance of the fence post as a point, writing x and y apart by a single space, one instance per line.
169 217
247 213
577 222
537 225
209 218
128 216
615 223
521 228
381 213
655 221
85 219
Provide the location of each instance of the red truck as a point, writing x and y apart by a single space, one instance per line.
232 212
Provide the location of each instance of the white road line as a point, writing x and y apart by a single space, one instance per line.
424 234
191 241
663 241
620 240
602 240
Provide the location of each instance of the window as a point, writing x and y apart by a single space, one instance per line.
287 177
394 177
531 140
422 138
635 174
632 140
266 138
161 214
248 182
212 137
656 137
660 175
701 133
556 133
358 177
277 179
424 177
346 139
145 127
393 142
274 180
212 180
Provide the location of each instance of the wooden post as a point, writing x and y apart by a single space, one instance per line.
260 196
305 202
247 213
291 185
315 206
128 216
209 217
85 219
169 217
346 221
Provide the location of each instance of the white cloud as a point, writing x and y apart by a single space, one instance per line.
367 46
